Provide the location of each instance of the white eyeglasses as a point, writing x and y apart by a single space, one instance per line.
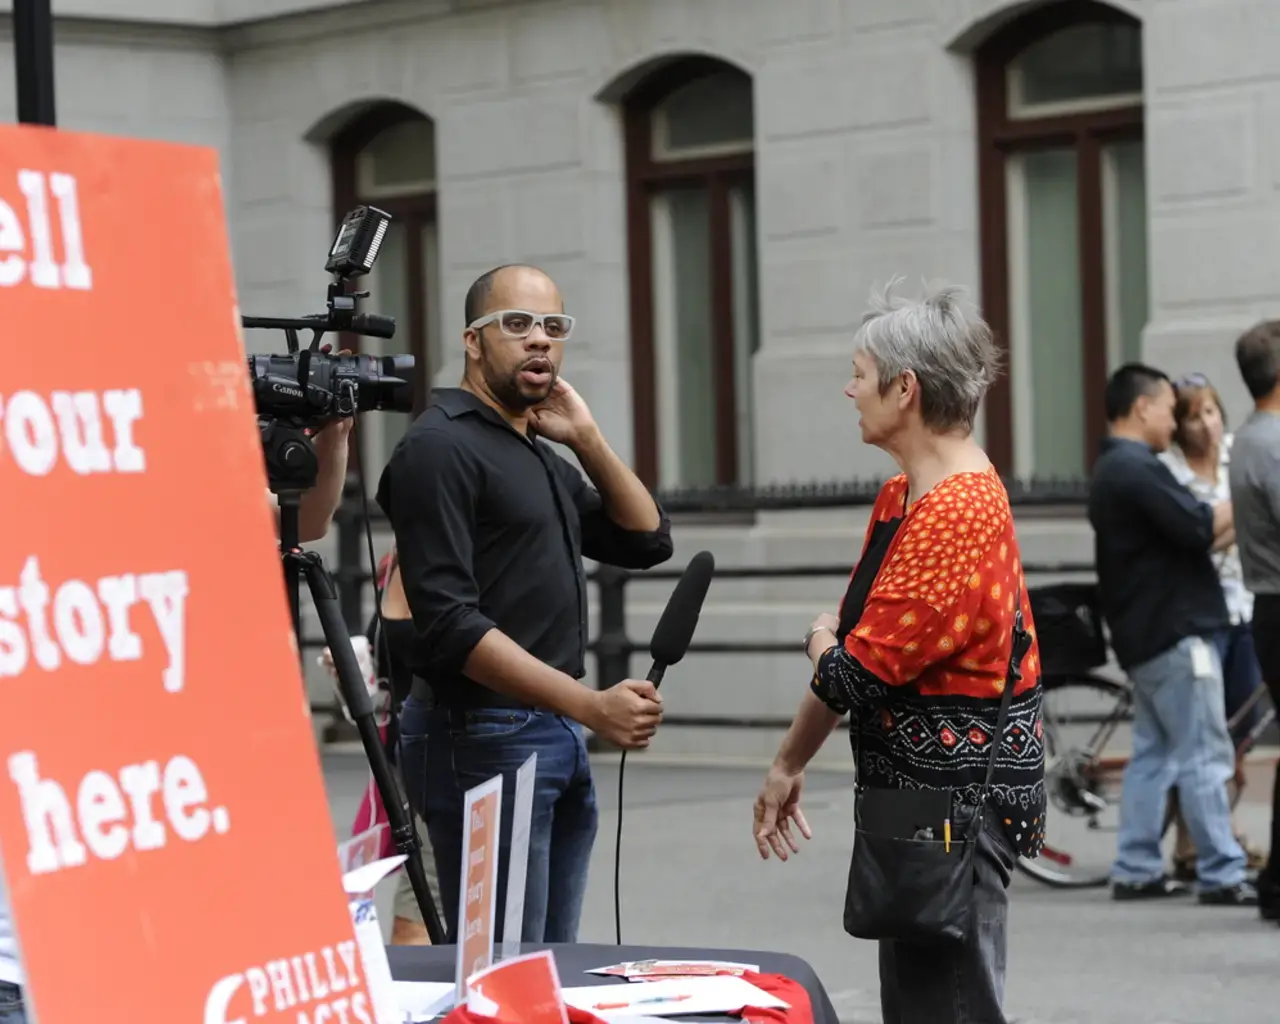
518 323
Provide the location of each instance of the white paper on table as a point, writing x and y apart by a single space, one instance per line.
716 995
518 859
637 1020
358 885
361 880
424 1000
643 970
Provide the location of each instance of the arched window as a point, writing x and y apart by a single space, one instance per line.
1064 226
692 238
386 158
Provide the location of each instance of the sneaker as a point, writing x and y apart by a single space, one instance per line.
1154 890
1241 895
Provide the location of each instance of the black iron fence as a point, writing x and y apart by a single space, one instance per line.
613 648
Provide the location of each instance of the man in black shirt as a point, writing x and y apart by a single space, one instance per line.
1163 603
491 527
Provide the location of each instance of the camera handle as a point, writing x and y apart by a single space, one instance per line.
299 563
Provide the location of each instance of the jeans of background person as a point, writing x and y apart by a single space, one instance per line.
445 752
1241 676
963 984
1266 637
12 1009
1179 739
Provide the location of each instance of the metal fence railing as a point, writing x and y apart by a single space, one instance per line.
612 647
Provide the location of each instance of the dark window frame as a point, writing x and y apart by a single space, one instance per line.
415 210
646 177
999 137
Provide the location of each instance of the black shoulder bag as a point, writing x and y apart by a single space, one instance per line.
912 875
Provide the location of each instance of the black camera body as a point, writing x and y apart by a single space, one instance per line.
310 389
299 392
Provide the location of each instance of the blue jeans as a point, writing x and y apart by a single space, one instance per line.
446 752
12 1010
1241 676
1179 739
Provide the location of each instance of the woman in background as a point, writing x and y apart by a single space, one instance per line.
389 639
1198 459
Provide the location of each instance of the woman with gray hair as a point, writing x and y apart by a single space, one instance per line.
933 657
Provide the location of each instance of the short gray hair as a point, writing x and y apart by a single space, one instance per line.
940 338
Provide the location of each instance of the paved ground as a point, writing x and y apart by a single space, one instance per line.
691 877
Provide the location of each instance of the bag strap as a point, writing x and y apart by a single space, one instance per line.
1021 644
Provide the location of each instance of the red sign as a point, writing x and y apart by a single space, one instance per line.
477 901
166 838
522 990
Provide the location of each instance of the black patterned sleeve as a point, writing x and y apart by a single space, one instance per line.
843 685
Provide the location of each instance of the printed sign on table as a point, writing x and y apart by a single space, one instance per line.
363 848
167 841
478 892
524 989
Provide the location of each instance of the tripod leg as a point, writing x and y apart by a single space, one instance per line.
324 595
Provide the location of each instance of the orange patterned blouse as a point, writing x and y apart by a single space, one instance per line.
923 665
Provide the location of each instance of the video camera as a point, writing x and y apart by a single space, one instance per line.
307 388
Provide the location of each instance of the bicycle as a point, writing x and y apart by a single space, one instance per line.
1082 778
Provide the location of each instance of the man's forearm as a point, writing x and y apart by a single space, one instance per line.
501 664
317 506
626 500
813 723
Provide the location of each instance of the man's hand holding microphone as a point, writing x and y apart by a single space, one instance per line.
626 715
629 713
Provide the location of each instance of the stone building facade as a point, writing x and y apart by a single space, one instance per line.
716 185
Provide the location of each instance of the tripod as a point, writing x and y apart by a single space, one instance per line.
324 595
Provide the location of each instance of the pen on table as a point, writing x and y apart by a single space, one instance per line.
946 834
638 1002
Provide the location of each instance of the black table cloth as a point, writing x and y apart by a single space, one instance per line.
438 963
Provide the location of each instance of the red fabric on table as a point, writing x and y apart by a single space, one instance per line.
790 992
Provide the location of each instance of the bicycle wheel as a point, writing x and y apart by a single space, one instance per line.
1082 779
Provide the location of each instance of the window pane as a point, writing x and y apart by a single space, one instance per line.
400 160
1080 64
386 285
1124 199
746 327
683 354
713 112
1046 335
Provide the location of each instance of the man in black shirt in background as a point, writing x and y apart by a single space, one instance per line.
1163 602
491 527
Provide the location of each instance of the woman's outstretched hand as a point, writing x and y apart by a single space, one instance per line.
777 809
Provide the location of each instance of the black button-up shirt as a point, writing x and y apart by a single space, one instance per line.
491 528
1152 542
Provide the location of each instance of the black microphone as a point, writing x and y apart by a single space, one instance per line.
674 631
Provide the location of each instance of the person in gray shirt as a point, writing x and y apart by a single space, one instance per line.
1254 477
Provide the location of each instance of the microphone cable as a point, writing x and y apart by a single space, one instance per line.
671 637
617 859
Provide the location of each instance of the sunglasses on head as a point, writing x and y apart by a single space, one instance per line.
1192 380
